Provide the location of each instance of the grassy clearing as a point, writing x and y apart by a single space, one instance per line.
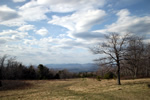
76 89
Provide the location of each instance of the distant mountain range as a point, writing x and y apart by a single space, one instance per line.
88 67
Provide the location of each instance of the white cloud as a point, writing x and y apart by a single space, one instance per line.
28 5
13 22
9 36
9 39
80 17
43 31
79 21
7 13
8 32
42 55
54 44
10 17
58 49
12 32
127 23
34 13
123 13
19 0
36 10
26 28
71 5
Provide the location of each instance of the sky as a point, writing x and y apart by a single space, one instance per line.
62 31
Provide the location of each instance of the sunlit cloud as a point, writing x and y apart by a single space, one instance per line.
61 31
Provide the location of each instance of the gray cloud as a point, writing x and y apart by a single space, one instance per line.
7 13
2 41
142 27
88 35
19 1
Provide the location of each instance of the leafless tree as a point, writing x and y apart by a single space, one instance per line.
134 56
147 59
103 67
2 61
114 49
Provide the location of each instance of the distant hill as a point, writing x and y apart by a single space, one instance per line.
88 67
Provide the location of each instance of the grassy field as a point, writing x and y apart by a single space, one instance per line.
76 89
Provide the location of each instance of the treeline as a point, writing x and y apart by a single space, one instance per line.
130 54
127 58
11 69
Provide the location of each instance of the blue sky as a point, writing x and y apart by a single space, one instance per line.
61 31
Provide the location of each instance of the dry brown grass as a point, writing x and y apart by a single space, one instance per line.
78 89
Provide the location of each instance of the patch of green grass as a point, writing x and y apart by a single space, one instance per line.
78 89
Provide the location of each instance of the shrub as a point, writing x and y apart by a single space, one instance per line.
148 85
109 75
98 78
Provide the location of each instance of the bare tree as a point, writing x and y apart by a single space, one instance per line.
103 67
114 49
134 54
147 59
2 61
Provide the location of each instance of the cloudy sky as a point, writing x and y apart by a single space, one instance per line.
61 31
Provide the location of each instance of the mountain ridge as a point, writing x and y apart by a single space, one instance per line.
74 67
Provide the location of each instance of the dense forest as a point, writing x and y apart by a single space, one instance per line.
12 69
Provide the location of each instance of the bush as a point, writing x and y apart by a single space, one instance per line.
98 78
109 75
148 85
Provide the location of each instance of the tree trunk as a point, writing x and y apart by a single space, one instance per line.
148 67
118 72
135 72
0 77
0 83
118 76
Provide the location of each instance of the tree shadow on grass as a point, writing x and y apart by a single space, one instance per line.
148 85
14 84
137 83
